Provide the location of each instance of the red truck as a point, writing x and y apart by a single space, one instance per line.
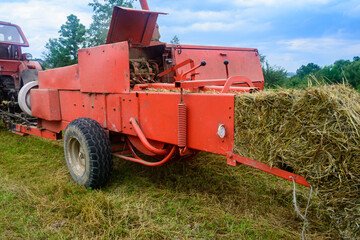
16 70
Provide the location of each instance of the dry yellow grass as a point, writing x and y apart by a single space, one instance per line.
314 132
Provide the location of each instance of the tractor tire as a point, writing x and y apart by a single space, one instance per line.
88 153
24 97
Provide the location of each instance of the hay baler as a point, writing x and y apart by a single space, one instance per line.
144 101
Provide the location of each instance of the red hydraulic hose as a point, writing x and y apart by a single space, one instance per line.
137 159
144 141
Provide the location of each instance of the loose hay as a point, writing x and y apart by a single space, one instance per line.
314 132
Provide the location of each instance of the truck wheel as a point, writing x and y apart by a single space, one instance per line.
88 152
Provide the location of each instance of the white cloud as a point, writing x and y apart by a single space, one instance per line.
323 45
276 3
41 20
293 53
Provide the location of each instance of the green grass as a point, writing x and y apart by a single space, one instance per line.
200 199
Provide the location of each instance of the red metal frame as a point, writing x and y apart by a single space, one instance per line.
233 160
26 130
144 5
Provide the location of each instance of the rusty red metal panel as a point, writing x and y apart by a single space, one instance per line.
75 104
113 112
105 69
45 104
135 26
53 126
242 62
64 78
24 130
9 67
129 109
205 112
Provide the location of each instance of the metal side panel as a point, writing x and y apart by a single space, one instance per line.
105 69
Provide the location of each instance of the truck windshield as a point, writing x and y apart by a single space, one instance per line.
10 34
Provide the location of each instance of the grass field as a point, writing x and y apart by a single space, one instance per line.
200 199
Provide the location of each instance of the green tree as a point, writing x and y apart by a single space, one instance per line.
335 73
274 76
175 40
306 70
56 55
99 28
352 74
63 51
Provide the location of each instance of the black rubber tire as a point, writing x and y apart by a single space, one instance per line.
93 145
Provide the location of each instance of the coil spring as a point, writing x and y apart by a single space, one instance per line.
182 125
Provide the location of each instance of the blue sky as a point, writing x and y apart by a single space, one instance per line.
289 33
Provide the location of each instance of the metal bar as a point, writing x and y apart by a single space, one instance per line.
236 79
233 89
144 5
200 83
183 63
167 86
21 129
233 159
183 75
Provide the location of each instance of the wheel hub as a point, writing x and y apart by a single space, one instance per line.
76 157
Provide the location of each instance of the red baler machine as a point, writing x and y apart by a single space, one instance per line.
159 100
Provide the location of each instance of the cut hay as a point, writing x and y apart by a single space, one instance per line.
314 132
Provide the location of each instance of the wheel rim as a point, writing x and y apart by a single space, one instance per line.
76 157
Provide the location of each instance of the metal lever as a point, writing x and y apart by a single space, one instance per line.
144 5
226 63
182 76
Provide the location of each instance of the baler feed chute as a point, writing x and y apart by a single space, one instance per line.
135 26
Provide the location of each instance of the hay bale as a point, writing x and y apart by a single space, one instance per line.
316 133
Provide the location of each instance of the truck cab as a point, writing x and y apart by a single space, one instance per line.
16 67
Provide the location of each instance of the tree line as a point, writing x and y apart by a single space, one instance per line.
63 51
341 71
